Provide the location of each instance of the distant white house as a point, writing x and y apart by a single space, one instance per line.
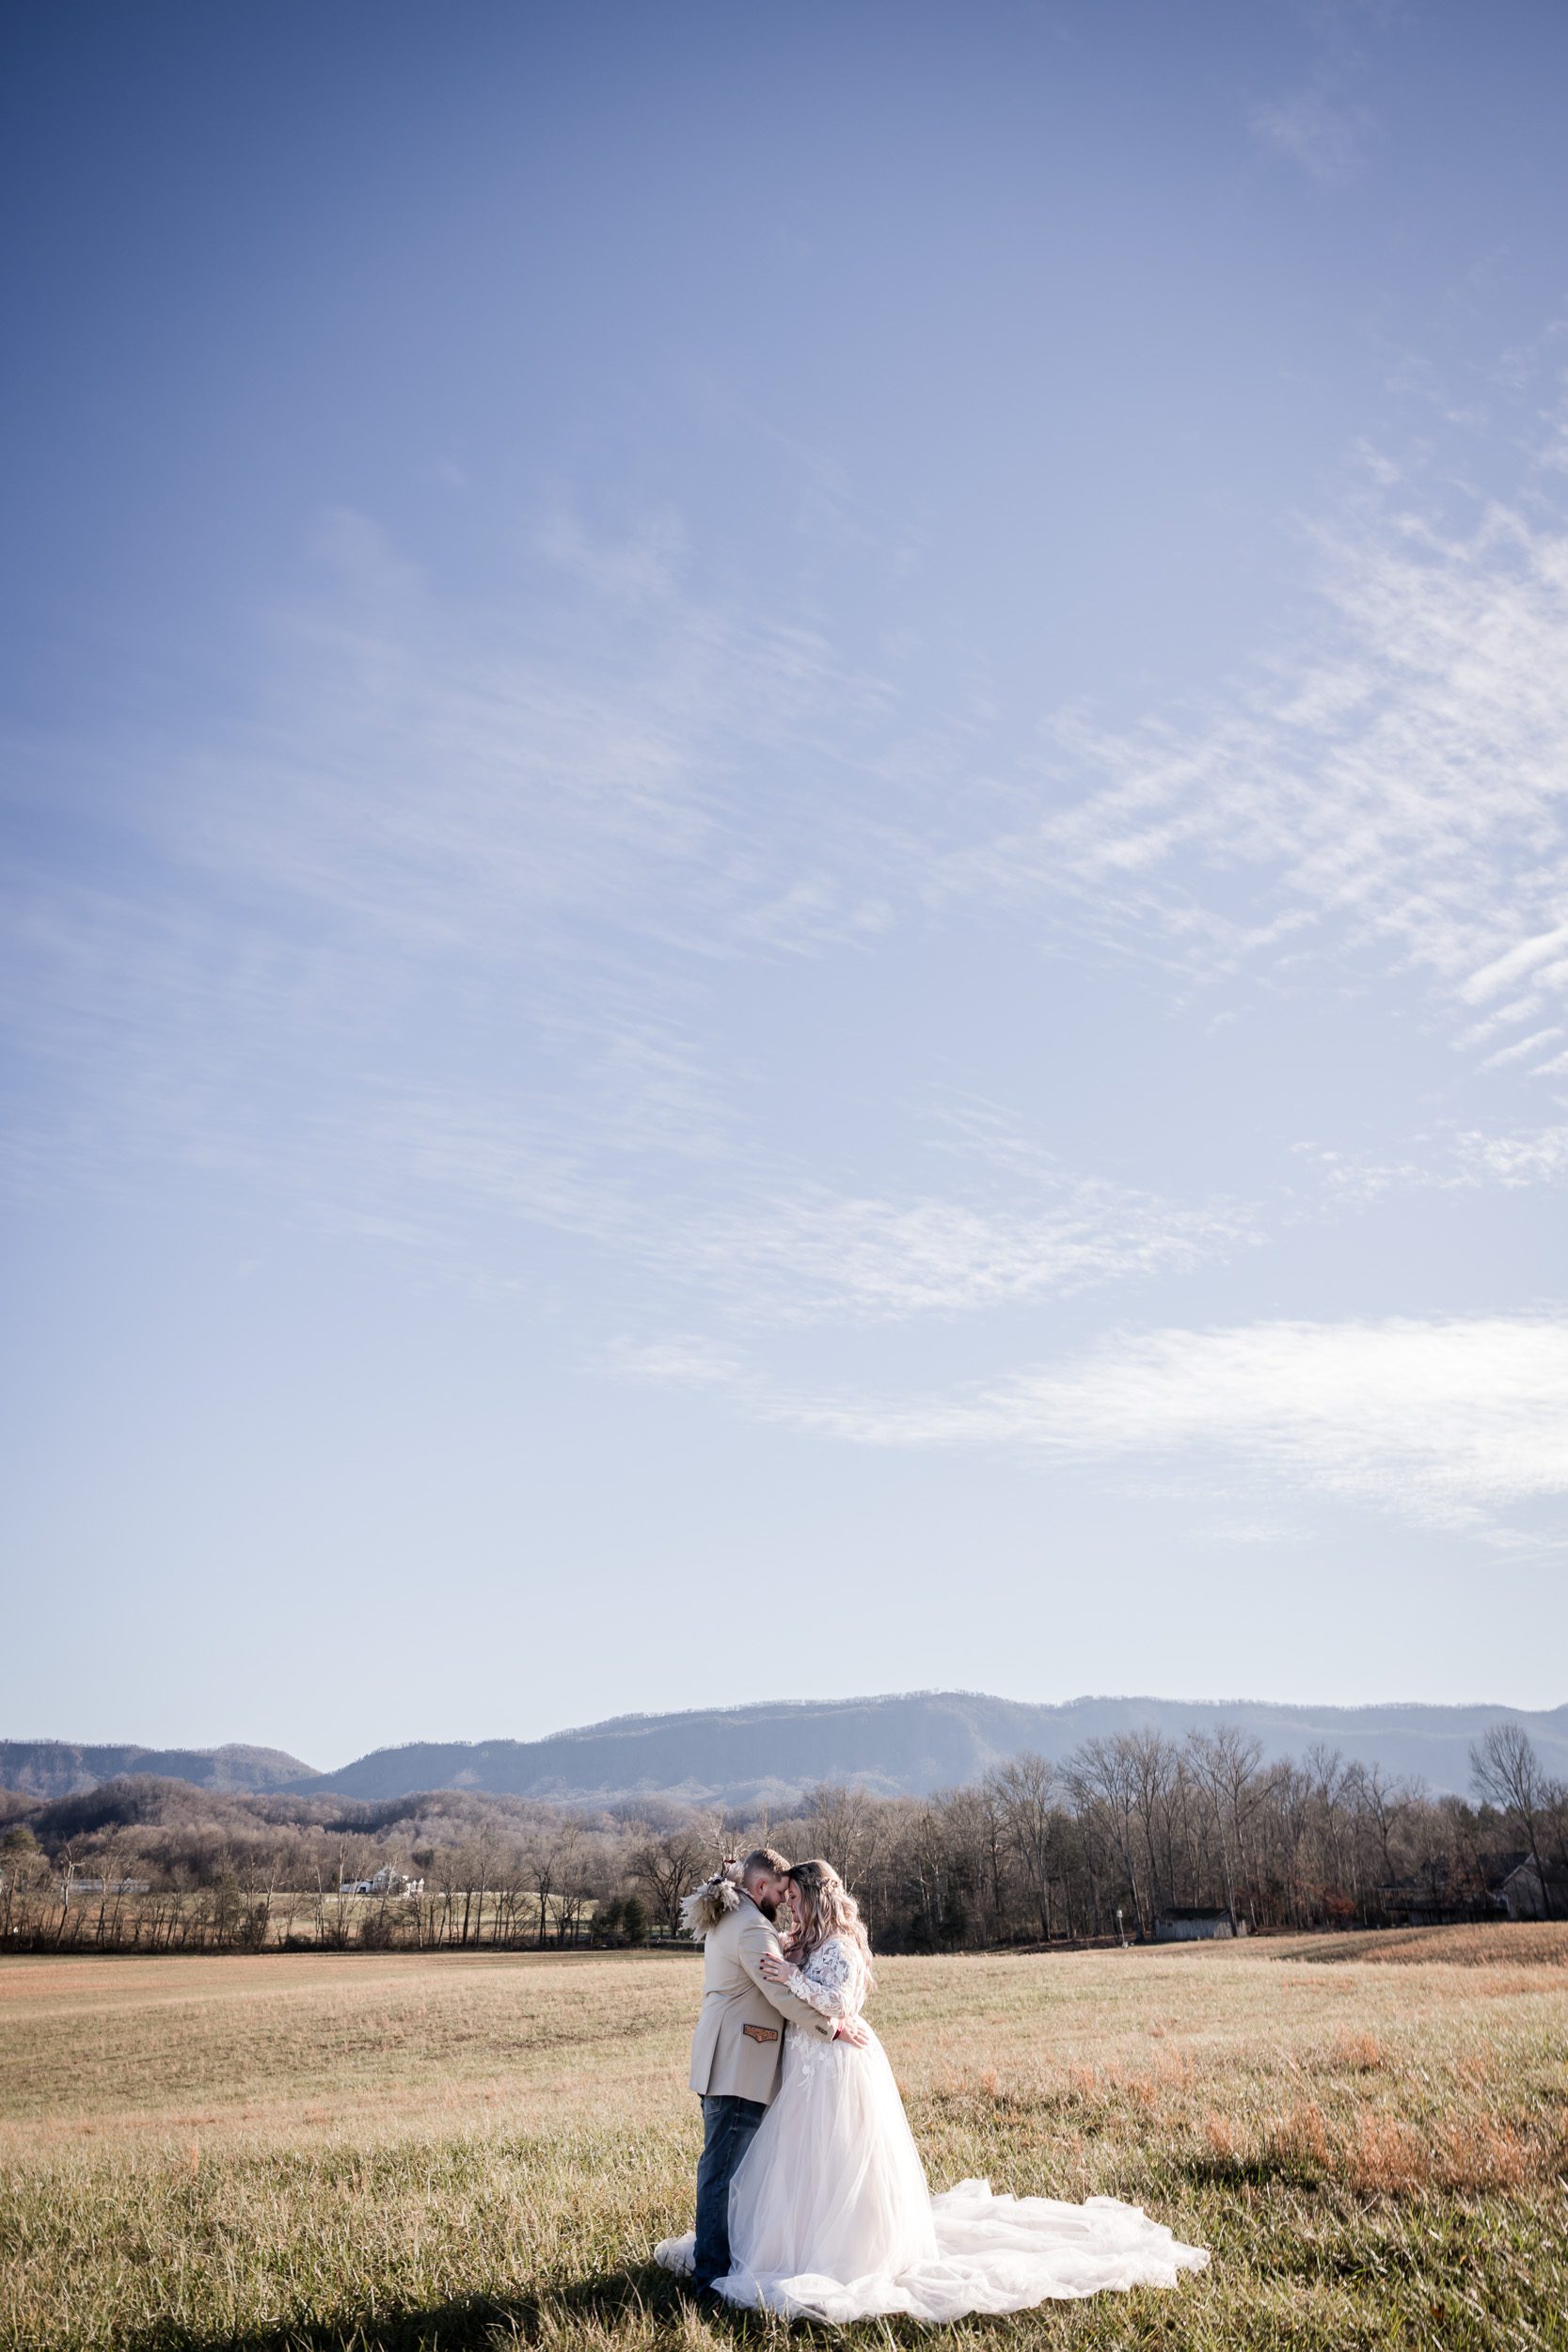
1188 1924
105 1887
386 1882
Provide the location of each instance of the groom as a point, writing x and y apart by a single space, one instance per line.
738 2045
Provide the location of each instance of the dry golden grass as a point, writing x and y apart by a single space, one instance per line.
1530 1943
405 2150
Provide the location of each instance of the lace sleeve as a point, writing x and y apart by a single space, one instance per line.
831 1980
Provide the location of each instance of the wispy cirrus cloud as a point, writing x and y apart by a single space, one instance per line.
1449 1160
818 1256
491 779
539 829
1323 126
534 824
758 1243
1524 1049
1450 1422
1398 788
586 798
1326 137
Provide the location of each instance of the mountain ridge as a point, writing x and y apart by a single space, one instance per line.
768 1751
67 1768
762 1753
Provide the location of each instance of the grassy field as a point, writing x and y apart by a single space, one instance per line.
1369 2134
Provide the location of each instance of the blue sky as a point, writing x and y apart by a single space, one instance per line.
786 907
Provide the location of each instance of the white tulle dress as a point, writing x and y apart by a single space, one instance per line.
831 2217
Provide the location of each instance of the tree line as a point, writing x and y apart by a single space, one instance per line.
1097 1845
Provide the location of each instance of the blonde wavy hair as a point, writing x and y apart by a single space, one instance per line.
827 1908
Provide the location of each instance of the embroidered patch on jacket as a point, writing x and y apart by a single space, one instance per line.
760 2033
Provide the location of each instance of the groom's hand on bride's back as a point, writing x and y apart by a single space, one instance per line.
850 2029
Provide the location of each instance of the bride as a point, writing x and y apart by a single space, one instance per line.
831 2218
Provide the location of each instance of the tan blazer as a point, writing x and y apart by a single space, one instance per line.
738 2045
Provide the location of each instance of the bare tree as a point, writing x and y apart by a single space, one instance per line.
1153 1765
1384 1803
576 1883
1226 1761
849 1827
1024 1794
511 1877
555 1854
447 1874
1101 1777
1505 1769
669 1867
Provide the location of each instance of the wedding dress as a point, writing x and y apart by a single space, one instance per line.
831 2218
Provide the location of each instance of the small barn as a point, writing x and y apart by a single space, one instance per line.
1441 1900
1186 1923
1524 1897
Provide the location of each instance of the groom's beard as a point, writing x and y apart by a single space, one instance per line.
769 1911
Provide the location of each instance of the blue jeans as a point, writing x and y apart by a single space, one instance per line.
729 2125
